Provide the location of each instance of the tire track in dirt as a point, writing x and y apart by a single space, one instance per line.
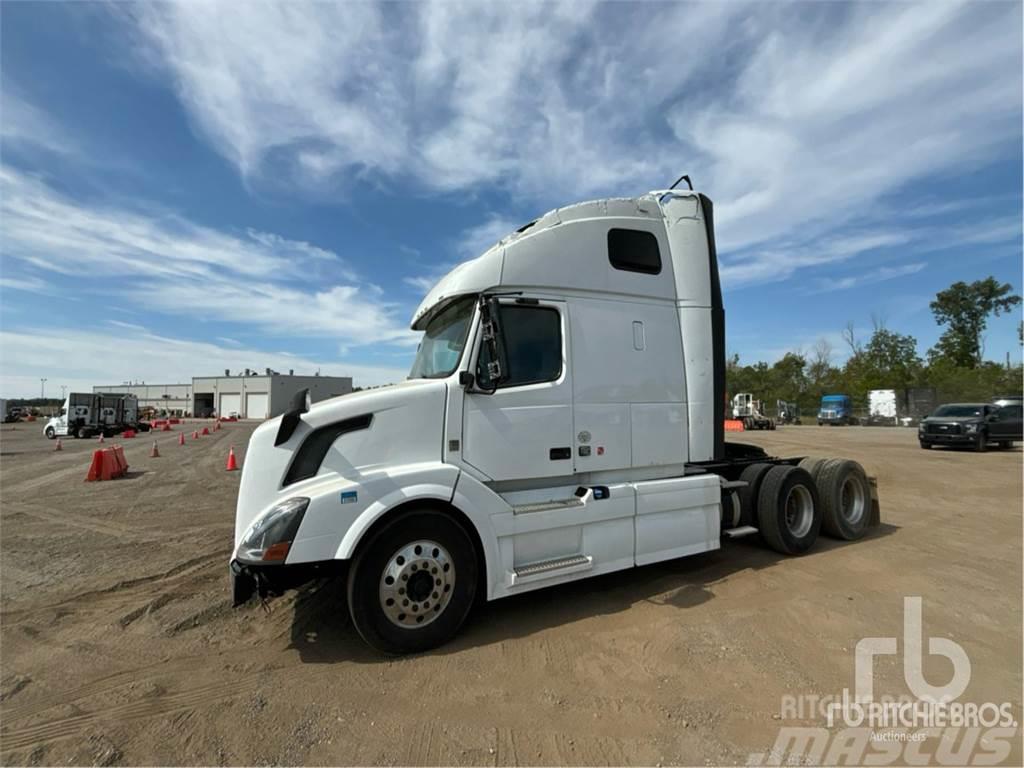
175 573
40 734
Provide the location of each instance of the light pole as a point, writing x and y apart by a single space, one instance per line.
63 388
42 389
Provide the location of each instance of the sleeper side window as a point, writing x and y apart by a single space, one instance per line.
634 250
532 339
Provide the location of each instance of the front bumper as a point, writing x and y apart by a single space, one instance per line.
250 579
948 439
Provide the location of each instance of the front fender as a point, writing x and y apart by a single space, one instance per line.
342 509
418 481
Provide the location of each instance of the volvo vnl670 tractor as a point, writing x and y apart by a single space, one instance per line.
563 418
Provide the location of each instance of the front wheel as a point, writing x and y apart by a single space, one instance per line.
981 444
50 434
412 584
925 445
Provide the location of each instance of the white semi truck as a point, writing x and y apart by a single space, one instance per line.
86 414
563 418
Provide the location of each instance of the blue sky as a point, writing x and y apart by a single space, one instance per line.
191 187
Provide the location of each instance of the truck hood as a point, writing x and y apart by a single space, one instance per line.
406 427
952 419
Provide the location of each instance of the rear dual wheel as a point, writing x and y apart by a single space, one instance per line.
788 511
794 504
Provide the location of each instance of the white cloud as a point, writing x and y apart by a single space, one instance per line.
23 124
281 287
877 275
81 359
793 117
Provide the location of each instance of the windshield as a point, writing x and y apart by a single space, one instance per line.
959 410
443 341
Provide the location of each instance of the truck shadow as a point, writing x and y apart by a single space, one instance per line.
322 631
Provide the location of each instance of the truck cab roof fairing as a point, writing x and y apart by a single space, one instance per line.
490 269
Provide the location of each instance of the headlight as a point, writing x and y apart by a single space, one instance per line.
968 428
272 536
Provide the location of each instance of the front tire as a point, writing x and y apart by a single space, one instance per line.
981 444
413 583
50 434
925 445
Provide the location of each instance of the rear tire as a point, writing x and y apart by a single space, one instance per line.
753 476
813 465
788 510
421 546
1006 444
82 433
845 499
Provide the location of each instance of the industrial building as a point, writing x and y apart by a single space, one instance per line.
248 394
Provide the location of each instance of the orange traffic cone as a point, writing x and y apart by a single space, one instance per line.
206 430
195 435
232 461
154 452
165 428
181 438
59 446
101 437
216 426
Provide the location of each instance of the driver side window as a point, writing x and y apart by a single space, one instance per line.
532 339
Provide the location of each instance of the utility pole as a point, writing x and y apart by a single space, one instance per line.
42 388
63 388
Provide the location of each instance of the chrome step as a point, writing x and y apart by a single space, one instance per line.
735 533
544 506
548 568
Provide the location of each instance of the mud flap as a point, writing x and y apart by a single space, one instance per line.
876 510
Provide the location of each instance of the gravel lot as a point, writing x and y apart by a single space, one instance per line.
119 645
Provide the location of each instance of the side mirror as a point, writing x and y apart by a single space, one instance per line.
490 312
466 379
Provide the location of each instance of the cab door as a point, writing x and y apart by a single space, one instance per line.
524 429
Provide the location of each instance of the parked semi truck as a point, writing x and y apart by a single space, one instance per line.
836 410
87 414
751 412
563 418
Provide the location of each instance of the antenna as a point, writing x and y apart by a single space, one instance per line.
686 178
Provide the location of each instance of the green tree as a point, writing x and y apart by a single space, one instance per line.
964 308
891 360
787 378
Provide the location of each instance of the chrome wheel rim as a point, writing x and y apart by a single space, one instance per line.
799 510
852 500
417 584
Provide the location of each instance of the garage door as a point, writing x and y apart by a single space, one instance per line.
256 405
230 404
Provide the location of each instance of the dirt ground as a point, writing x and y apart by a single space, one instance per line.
119 645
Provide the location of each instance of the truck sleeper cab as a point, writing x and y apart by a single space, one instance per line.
563 418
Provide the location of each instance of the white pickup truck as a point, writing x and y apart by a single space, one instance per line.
563 418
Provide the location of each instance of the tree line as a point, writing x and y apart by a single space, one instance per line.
955 367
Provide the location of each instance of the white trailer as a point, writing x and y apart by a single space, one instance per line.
563 418
883 407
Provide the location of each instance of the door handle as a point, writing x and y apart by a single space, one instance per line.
557 454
